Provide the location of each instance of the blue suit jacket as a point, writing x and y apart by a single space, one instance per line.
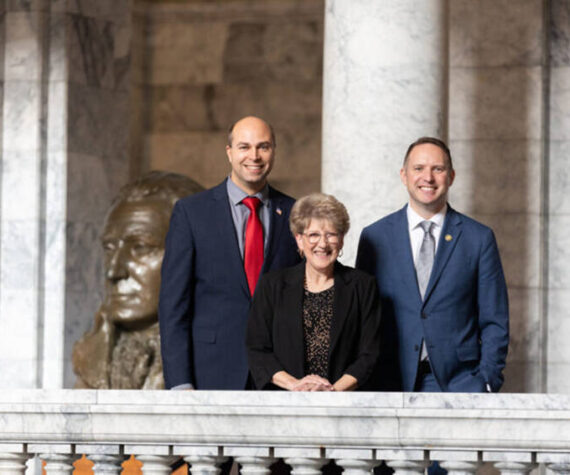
204 296
464 316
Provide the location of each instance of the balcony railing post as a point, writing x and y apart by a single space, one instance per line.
253 460
13 458
303 460
557 462
353 461
203 460
156 459
511 463
58 458
404 462
457 462
107 459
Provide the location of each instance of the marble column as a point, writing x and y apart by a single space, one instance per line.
385 85
556 344
64 154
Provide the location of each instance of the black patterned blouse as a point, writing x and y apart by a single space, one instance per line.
317 317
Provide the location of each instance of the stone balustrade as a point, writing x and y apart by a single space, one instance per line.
514 432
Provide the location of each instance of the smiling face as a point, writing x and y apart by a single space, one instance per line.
427 175
251 154
133 242
321 254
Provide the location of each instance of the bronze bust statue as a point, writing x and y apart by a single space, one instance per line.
122 350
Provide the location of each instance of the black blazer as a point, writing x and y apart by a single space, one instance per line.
275 339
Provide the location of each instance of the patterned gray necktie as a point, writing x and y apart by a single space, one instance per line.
425 257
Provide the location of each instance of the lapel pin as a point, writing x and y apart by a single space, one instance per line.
448 237
278 211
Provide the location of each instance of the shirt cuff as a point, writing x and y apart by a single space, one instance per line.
182 386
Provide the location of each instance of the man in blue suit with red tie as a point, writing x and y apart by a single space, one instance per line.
444 297
218 244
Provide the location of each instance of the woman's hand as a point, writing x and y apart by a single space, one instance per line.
312 382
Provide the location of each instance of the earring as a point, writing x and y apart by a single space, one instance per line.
340 253
300 251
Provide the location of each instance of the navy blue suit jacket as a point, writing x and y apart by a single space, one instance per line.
204 296
464 316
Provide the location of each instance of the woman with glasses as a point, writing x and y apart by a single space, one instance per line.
314 326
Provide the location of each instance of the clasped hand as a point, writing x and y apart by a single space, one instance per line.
312 382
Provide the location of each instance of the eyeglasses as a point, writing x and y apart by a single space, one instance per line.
314 238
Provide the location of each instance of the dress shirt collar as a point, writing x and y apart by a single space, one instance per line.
236 194
414 219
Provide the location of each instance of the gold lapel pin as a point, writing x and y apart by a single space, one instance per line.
278 211
448 237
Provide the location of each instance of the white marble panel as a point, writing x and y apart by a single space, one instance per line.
99 449
558 327
454 455
58 48
51 448
560 103
557 381
523 457
147 449
401 454
559 251
21 115
53 345
340 453
493 33
559 178
501 103
18 372
23 49
305 452
19 255
497 176
20 203
248 451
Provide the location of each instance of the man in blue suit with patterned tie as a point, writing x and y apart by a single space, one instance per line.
444 297
218 244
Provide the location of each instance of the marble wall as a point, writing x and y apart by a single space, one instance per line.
206 65
557 331
64 155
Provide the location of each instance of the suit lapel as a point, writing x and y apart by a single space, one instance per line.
403 252
341 304
227 232
447 240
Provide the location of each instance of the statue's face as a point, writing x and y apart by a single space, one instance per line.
133 242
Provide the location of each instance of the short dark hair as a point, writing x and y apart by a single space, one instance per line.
231 131
431 140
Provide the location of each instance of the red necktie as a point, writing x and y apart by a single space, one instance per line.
253 249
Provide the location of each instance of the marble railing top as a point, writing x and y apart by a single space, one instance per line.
258 418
